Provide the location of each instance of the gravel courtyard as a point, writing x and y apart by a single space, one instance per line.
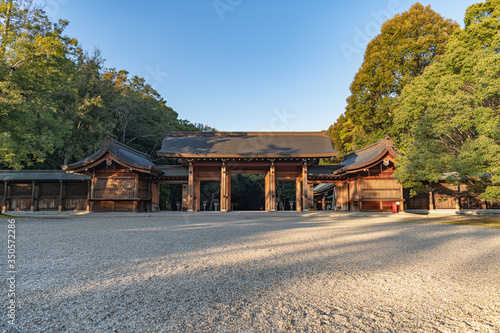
243 272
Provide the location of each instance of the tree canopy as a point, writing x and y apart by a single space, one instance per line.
57 101
447 123
407 44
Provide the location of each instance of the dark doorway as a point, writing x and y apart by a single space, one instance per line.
210 195
285 194
247 192
171 197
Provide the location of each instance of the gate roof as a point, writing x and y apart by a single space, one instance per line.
247 145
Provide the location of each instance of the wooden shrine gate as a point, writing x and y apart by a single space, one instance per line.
279 156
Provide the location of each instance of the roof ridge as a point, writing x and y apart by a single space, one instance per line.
124 146
386 139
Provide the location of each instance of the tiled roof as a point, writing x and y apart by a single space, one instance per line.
47 175
322 188
322 170
121 153
247 145
367 156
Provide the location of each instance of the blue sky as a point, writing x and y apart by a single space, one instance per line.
240 65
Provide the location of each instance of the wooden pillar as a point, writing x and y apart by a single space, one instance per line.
155 197
190 188
267 193
310 196
136 194
358 189
89 192
92 186
5 196
33 193
348 196
197 197
323 203
457 199
272 187
431 200
305 188
184 205
402 198
223 187
61 196
228 186
298 194
93 182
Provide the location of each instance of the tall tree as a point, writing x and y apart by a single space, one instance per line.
407 44
448 120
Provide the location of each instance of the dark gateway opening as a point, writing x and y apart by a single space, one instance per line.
210 196
171 197
247 192
285 195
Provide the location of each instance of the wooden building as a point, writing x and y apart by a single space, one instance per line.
43 190
121 178
277 155
363 181
442 195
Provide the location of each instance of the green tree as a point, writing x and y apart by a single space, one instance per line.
32 58
407 44
448 119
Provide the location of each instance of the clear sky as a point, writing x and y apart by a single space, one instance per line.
241 65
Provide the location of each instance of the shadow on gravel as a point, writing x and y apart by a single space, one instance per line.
193 273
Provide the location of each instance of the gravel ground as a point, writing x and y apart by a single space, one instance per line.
240 272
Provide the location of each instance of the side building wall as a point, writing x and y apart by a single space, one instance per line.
448 196
115 188
43 195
